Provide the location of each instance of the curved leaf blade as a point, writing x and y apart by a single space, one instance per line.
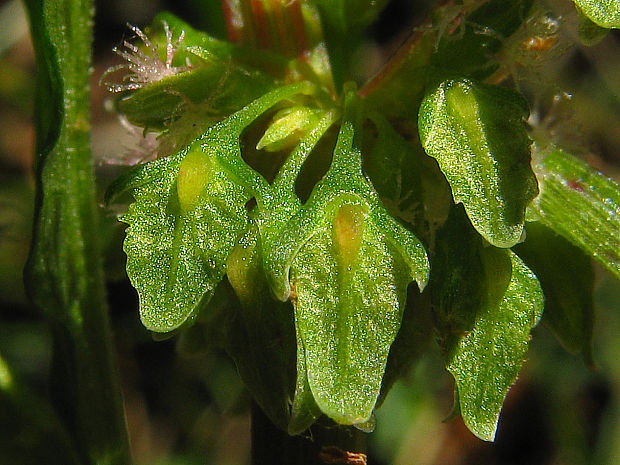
350 263
221 88
350 292
486 361
477 135
188 214
176 248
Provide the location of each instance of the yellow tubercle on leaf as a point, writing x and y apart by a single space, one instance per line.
195 172
348 232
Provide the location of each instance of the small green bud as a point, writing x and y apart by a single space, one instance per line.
289 126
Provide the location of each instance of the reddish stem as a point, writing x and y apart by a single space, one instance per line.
262 24
234 21
393 64
298 26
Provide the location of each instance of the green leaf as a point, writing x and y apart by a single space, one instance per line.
268 368
580 204
221 86
348 307
350 264
64 275
188 214
265 367
260 339
180 234
477 135
486 361
325 199
567 279
466 274
605 13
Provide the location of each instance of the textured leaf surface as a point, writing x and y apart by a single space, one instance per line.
176 248
189 211
580 204
350 264
565 273
344 180
477 135
261 341
221 78
348 310
487 360
273 213
605 13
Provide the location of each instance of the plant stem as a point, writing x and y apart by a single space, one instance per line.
64 273
333 444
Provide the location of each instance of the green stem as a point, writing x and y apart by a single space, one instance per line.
347 157
64 275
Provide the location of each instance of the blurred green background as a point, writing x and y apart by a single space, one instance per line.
192 409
